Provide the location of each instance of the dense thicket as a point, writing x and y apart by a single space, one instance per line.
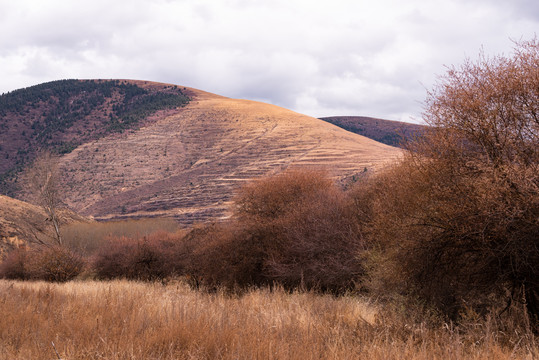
457 222
297 229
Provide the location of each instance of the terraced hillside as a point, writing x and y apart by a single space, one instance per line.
189 162
60 115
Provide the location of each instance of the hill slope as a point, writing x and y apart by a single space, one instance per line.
21 223
385 131
186 162
61 115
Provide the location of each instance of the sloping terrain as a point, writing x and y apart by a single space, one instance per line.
389 132
21 223
184 161
60 115
189 163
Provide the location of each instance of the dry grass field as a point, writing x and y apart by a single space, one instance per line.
130 320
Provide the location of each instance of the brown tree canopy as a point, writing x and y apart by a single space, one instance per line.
458 220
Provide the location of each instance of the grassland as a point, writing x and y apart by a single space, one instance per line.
132 320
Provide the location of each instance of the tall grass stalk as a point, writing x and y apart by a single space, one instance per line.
132 320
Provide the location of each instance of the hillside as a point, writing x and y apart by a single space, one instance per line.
21 222
61 115
385 131
186 162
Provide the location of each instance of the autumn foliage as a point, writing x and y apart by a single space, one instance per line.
457 221
296 229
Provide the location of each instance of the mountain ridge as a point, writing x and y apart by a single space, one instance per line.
389 132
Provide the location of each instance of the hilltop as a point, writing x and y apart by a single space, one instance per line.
183 159
61 115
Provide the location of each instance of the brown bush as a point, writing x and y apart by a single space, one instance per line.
456 222
50 263
227 255
13 267
296 229
319 243
152 257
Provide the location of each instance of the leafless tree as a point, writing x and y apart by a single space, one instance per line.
43 188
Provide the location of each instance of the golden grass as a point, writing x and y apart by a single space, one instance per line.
86 238
129 320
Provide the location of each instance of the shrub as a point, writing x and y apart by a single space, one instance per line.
49 263
53 263
296 229
456 222
318 244
153 257
13 266
227 255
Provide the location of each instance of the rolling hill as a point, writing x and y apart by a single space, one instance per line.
183 159
389 132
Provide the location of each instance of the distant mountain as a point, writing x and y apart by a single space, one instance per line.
144 149
385 131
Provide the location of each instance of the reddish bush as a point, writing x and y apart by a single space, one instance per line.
152 257
456 223
13 266
53 263
319 244
296 228
227 255
49 263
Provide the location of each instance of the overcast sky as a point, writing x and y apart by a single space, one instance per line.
322 58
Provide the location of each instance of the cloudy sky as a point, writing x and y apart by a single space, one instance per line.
322 58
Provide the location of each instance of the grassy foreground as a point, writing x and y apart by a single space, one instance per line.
131 320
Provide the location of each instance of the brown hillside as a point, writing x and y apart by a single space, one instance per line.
187 162
21 223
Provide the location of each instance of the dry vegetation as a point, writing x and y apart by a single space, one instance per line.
445 241
130 320
87 237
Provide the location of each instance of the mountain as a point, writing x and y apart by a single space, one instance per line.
64 114
182 157
389 132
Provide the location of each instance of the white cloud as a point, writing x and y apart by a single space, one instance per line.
341 58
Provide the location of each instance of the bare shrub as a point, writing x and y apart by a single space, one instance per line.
319 243
13 266
456 223
296 229
266 199
228 255
50 263
153 257
53 263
